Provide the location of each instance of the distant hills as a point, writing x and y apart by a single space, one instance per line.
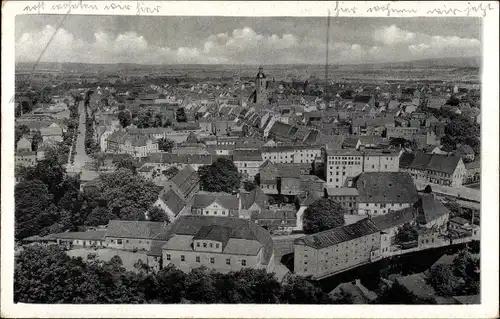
459 62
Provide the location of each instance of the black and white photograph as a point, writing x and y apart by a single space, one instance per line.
297 160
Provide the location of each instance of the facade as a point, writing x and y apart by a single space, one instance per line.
326 253
136 145
402 131
23 144
389 225
431 212
344 163
133 235
347 197
381 193
221 244
260 87
52 132
292 154
248 162
448 170
215 204
473 172
25 158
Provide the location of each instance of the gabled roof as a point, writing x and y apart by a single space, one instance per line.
256 196
385 187
215 233
134 229
240 233
173 201
394 219
186 179
434 162
204 199
247 155
430 208
338 235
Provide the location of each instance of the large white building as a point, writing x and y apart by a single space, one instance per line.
292 154
341 164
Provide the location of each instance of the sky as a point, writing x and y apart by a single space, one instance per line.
247 40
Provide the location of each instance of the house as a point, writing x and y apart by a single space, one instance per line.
298 154
345 196
23 144
85 239
332 251
52 132
25 158
272 176
136 145
402 132
389 224
381 193
448 170
215 204
276 221
473 172
248 162
305 199
132 235
252 202
219 243
431 212
466 152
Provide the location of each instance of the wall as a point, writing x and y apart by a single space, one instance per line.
128 243
380 209
219 264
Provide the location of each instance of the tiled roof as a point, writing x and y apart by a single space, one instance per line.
87 235
343 191
134 229
473 165
186 179
435 162
203 159
430 208
247 155
393 219
338 235
174 202
214 232
255 196
385 187
417 285
203 199
189 226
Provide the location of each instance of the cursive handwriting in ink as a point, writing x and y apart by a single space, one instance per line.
444 10
478 8
71 6
144 8
388 10
37 7
340 9
115 6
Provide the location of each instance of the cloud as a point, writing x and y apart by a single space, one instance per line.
393 35
239 46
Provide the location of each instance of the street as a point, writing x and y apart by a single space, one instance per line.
80 156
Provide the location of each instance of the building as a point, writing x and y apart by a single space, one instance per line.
340 164
260 94
466 152
282 178
215 204
52 132
332 251
405 132
133 235
473 172
25 158
431 212
292 153
448 170
253 202
221 244
276 221
389 224
381 193
345 196
248 162
136 145
23 144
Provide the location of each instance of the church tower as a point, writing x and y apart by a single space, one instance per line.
260 87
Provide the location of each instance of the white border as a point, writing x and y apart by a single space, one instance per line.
489 186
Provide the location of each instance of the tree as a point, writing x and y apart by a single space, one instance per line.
33 208
98 160
221 176
20 131
165 144
171 285
51 172
453 101
428 189
342 298
157 214
406 233
99 216
36 140
180 115
442 280
200 286
249 186
126 195
248 286
125 161
125 118
257 179
298 290
323 214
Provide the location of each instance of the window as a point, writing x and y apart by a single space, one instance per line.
197 259
212 260
197 244
211 245
126 241
228 261
204 245
216 245
183 258
119 241
243 262
168 257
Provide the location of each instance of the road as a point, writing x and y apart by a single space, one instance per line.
80 156
464 192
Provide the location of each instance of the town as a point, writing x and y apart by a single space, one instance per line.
290 177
